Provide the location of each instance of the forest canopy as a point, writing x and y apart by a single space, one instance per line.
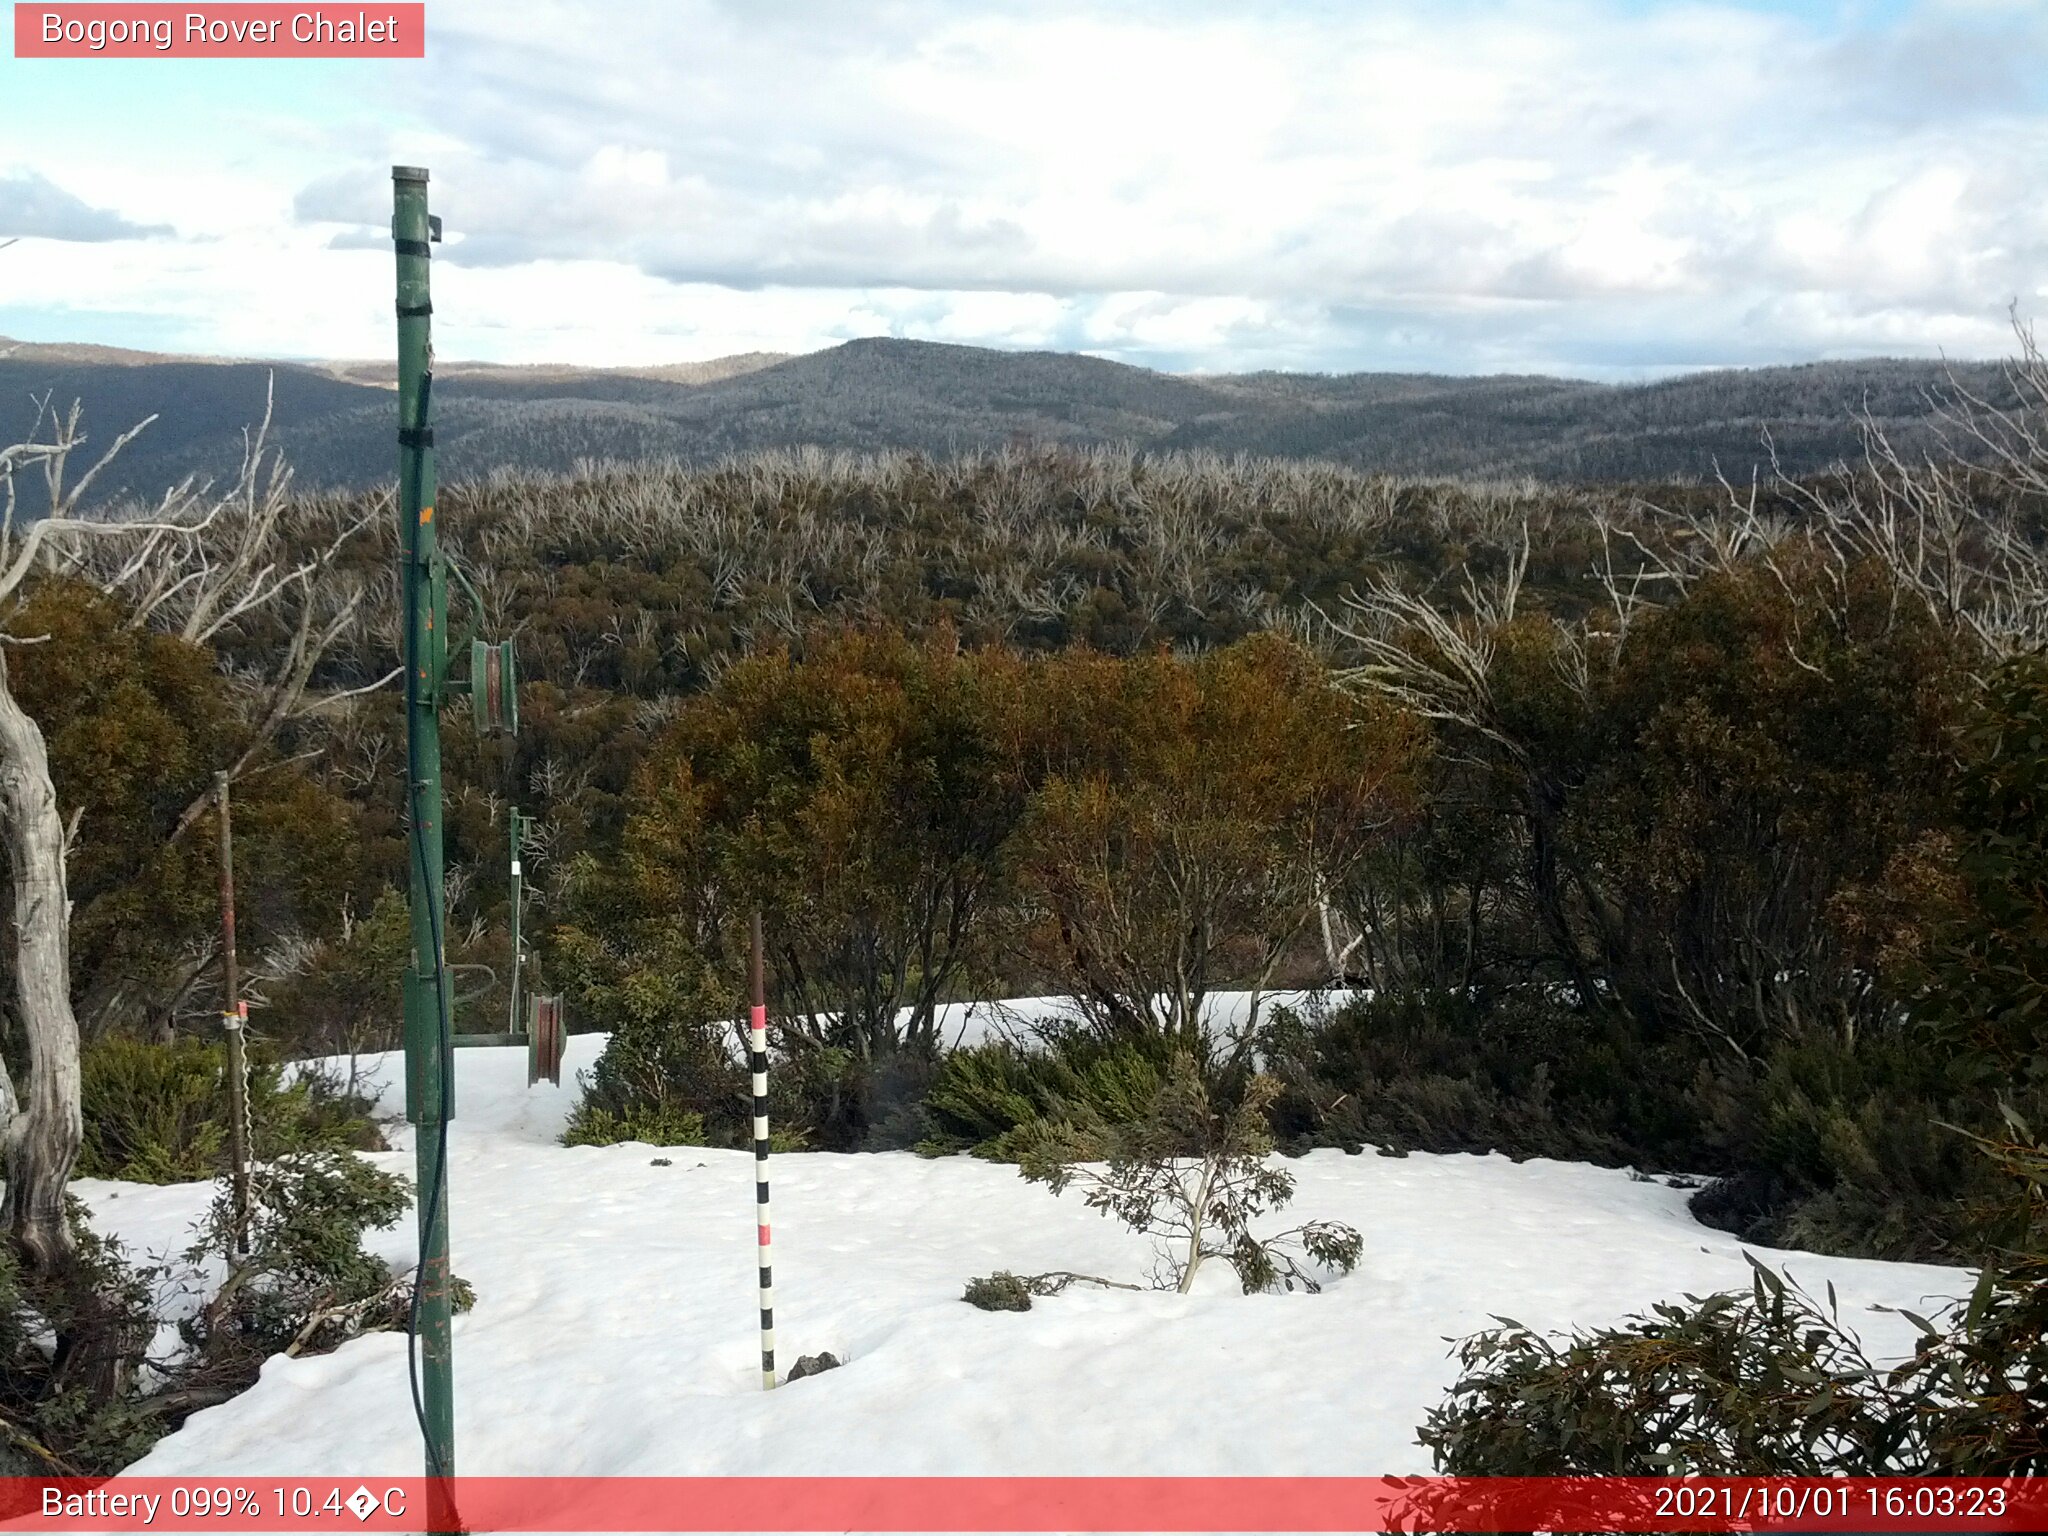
1640 814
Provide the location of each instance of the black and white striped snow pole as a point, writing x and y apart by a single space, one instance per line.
758 1022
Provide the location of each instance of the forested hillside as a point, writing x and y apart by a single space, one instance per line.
880 394
1643 710
1670 828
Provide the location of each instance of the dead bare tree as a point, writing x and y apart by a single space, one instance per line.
1438 662
1946 524
197 563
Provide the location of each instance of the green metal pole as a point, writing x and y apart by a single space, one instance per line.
428 1026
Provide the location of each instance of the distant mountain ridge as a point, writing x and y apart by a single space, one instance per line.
335 420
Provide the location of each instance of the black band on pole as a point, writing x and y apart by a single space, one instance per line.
757 1020
414 248
414 311
415 437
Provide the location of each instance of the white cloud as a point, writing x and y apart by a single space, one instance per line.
619 165
1584 186
31 204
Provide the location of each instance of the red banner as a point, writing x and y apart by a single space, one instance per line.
1027 1504
112 31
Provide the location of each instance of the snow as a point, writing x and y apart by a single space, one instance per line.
615 1325
1016 1018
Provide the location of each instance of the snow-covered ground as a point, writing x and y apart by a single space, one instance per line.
1016 1018
614 1330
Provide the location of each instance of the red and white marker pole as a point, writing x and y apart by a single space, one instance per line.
759 1031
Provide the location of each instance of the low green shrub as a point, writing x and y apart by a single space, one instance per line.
882 1099
591 1125
677 1084
1192 1173
666 1081
983 1096
1819 1144
74 1399
305 1264
156 1114
1723 1385
1853 1151
1507 1070
1769 1382
71 1341
159 1114
999 1292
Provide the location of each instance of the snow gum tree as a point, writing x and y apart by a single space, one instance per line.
1193 1173
1689 794
860 798
913 818
1186 820
198 564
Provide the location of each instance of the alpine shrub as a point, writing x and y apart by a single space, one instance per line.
1193 1175
159 1114
983 1096
1770 1381
591 1125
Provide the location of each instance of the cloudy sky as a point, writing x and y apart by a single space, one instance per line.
1605 188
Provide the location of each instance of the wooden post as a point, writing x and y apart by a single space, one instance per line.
234 1014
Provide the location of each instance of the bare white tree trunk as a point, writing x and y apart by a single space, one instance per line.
1198 1215
195 565
41 1136
1336 956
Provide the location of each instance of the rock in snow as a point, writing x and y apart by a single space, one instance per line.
813 1365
